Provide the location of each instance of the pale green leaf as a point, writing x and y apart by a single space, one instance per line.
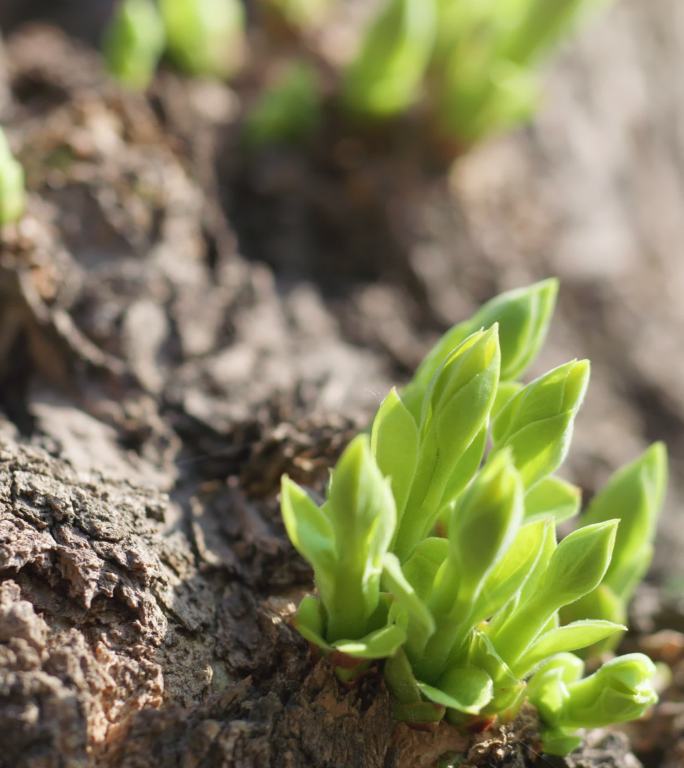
463 689
513 569
554 498
421 624
311 534
377 645
571 637
634 495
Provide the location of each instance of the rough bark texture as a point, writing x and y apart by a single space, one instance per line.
157 378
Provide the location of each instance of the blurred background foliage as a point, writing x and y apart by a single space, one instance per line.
462 69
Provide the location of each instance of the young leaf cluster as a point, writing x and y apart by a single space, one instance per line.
473 66
201 37
436 549
476 61
12 184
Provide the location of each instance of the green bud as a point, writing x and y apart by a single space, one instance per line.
457 409
483 526
485 522
523 316
537 423
548 688
579 563
508 689
205 37
134 43
621 690
362 515
577 566
634 496
345 541
288 112
538 573
385 77
468 360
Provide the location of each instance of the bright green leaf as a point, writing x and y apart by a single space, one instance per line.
523 316
576 567
394 442
457 409
512 570
552 497
311 534
537 423
485 523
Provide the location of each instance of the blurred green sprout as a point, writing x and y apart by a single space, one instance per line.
467 68
288 112
204 37
12 184
134 42
436 554
386 76
475 63
201 37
